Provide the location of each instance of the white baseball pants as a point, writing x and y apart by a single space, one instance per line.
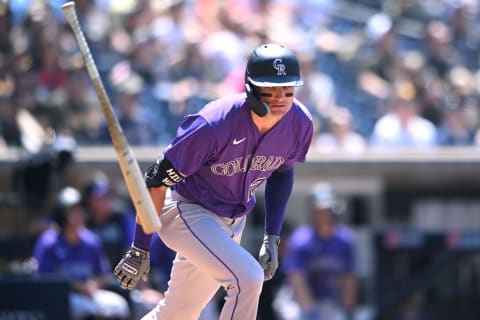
209 255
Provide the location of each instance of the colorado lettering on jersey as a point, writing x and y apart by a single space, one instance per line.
250 163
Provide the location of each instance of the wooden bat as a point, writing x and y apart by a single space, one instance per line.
128 164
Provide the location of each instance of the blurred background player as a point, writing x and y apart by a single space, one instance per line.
319 263
108 217
72 252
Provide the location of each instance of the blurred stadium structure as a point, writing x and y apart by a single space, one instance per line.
416 215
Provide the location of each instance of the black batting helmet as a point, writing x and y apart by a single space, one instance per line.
270 65
273 65
68 197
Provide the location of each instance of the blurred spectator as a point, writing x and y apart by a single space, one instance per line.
81 111
319 263
402 126
110 219
465 32
51 75
355 53
453 129
318 91
440 54
378 59
74 253
138 129
340 134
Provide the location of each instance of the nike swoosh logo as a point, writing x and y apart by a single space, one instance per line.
235 141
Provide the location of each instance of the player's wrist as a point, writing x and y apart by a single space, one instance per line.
271 238
138 252
141 240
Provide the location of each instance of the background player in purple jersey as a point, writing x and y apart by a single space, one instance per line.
75 254
319 263
204 183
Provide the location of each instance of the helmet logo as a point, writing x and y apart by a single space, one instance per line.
280 67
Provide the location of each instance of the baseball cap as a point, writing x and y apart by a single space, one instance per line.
99 186
322 196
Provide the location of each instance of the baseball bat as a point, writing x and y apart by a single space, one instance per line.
129 166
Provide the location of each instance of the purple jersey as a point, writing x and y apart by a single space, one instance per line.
226 158
321 260
80 262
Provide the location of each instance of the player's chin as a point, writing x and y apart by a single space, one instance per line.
279 109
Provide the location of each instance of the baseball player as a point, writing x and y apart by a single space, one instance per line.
319 262
204 184
72 252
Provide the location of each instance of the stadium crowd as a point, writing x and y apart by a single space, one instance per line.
377 73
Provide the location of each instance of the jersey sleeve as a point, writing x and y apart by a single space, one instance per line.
193 146
306 141
45 261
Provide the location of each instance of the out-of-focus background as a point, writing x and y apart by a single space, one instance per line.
393 86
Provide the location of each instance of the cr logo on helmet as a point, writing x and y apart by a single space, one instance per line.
280 67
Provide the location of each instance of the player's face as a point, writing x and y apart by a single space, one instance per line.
279 99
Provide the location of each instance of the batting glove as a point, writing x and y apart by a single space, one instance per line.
134 265
268 256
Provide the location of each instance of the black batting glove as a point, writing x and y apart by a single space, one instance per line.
268 256
134 265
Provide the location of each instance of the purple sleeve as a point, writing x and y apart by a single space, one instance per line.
129 222
306 142
45 261
141 239
277 192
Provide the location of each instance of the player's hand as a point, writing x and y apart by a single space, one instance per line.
268 256
134 265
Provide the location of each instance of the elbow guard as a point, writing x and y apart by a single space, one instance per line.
162 173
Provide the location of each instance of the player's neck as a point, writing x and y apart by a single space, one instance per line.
264 124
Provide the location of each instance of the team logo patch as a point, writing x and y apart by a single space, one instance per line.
280 67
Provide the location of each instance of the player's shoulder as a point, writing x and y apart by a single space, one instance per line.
344 236
47 239
301 236
89 238
223 111
299 117
222 108
301 110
